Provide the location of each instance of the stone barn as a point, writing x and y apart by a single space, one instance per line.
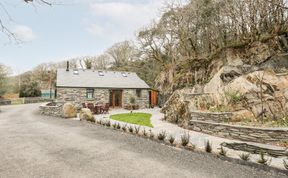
96 86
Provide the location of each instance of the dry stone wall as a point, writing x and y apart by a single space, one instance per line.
54 111
251 134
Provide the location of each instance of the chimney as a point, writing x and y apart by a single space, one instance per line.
67 69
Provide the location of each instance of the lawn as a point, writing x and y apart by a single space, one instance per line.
134 118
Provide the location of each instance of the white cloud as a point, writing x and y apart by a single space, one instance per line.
120 20
24 33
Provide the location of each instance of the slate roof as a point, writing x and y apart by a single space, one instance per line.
93 79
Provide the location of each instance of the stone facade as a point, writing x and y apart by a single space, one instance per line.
251 134
79 95
142 100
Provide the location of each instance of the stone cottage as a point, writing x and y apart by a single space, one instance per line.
96 86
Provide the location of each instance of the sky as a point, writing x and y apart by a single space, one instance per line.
71 28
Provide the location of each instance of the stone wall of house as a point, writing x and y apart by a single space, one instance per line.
251 134
78 95
142 101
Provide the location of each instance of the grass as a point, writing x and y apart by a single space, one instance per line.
142 119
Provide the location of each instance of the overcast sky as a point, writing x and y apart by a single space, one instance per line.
78 28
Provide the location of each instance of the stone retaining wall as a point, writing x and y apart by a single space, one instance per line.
55 111
216 117
251 134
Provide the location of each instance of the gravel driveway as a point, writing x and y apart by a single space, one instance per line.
36 146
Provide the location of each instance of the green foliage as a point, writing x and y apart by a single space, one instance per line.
222 151
132 100
118 126
134 118
208 147
124 128
233 97
30 90
137 129
144 132
108 124
262 159
245 156
281 122
114 125
3 79
171 139
185 139
151 134
162 135
130 128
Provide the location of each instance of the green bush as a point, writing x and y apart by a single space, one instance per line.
185 138
161 136
30 90
233 97
245 156
171 139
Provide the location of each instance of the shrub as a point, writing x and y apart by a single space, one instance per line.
171 139
137 129
245 156
124 128
161 136
185 139
118 126
31 89
233 96
262 159
208 147
285 164
151 134
145 133
130 128
114 125
108 124
132 100
222 151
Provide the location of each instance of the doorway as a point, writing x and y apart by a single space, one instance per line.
116 98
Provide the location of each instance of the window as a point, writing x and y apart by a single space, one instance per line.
138 92
90 93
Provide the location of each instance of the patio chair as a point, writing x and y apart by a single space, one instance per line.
84 105
98 109
105 109
91 107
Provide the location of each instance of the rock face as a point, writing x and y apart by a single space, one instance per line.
69 110
252 79
86 114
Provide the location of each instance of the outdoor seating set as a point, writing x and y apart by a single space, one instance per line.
97 109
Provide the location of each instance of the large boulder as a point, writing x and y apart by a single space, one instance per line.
69 110
86 114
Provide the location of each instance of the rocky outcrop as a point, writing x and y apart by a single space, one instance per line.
69 110
252 79
87 115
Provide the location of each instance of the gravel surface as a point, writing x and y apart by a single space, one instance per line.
37 146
